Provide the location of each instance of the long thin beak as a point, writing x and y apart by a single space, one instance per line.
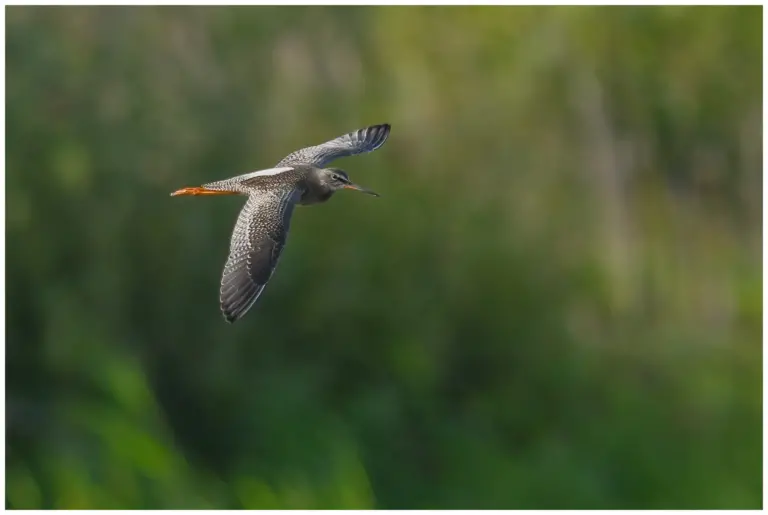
357 187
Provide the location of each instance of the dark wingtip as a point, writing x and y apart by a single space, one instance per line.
376 135
229 316
232 315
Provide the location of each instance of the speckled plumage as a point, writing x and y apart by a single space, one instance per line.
358 142
262 226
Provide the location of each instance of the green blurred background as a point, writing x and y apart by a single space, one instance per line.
556 302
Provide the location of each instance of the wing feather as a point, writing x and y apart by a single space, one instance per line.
357 142
257 242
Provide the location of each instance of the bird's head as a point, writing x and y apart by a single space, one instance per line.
337 179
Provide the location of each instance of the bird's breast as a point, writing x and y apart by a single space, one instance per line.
315 196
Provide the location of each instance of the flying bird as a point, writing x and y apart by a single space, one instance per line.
262 225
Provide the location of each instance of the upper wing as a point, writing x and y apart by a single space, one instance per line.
257 241
358 142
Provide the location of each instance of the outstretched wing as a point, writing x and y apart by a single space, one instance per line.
358 142
257 242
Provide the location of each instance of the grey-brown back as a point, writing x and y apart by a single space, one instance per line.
262 180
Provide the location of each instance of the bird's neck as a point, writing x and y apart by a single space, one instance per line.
315 191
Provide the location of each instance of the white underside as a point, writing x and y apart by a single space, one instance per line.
269 171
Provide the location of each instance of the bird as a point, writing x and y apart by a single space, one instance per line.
261 230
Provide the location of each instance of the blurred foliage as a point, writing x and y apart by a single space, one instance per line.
556 303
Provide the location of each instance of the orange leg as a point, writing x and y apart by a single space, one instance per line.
199 190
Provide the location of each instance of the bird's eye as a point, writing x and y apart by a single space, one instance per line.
336 177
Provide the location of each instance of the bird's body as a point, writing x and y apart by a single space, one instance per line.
263 223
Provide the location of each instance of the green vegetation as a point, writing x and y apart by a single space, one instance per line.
556 303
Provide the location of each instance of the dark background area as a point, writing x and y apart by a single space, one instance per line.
556 302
